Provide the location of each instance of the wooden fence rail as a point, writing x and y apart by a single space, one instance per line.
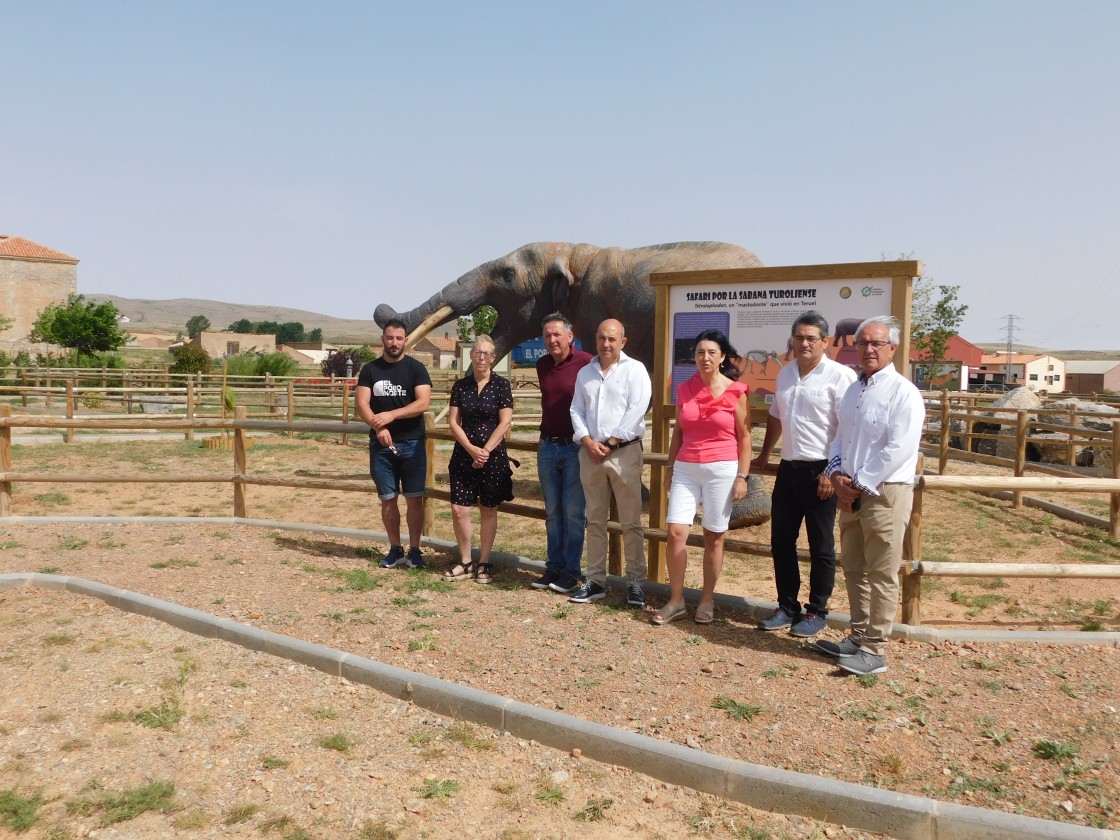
912 571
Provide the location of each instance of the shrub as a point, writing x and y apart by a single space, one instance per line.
190 359
278 364
335 363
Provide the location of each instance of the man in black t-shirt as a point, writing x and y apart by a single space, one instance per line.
393 393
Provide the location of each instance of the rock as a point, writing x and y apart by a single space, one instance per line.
576 752
692 742
560 776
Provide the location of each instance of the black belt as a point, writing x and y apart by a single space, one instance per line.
805 465
624 443
559 441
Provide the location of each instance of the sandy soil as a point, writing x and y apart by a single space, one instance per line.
1028 728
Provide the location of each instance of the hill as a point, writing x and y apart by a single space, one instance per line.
1064 355
171 316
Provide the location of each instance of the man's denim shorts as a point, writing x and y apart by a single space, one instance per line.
401 473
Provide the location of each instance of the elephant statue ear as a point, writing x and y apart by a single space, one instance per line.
558 282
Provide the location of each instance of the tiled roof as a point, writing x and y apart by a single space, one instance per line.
16 247
448 345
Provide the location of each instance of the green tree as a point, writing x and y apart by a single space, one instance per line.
288 332
243 326
266 327
935 316
189 359
80 325
315 335
197 324
481 322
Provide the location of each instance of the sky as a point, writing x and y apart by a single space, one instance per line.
334 156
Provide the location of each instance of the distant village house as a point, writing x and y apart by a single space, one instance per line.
1002 371
220 344
32 276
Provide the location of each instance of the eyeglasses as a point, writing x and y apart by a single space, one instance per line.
877 345
481 354
807 339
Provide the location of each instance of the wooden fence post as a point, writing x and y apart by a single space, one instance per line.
614 543
346 410
429 473
912 556
70 409
190 407
1022 421
126 380
23 382
1114 498
5 462
291 406
943 455
239 464
1072 462
50 384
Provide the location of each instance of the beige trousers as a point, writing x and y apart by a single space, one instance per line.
871 551
620 473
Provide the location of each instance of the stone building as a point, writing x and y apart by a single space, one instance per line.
219 344
32 276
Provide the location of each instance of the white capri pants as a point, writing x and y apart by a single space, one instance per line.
709 484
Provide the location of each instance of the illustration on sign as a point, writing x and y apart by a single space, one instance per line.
758 320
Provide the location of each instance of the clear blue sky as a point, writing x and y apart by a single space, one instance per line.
334 156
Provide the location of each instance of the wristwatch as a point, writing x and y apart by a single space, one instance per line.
742 475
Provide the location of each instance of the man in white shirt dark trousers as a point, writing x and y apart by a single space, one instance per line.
609 418
871 463
804 415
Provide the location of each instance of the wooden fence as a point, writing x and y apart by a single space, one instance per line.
913 568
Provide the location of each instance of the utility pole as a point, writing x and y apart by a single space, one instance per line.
1010 330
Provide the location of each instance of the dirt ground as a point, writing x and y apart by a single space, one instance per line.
263 747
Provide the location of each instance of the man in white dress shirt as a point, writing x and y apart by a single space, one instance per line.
609 418
804 416
871 463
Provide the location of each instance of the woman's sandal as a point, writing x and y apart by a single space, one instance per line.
704 613
483 574
668 613
459 571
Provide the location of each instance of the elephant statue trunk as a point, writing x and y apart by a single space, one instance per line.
461 297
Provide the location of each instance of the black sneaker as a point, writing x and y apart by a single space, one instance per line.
544 580
590 591
565 584
635 597
414 559
394 558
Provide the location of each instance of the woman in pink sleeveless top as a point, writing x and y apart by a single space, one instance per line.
709 459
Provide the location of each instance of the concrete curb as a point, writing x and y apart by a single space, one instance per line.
753 607
869 809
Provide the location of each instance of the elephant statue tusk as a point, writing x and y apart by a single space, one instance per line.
427 325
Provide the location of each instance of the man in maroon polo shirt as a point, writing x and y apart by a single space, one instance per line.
558 456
